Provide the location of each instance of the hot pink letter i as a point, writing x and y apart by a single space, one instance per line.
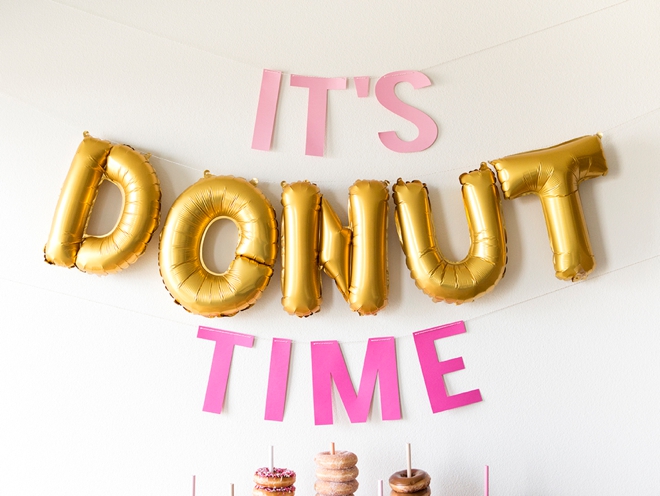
433 369
328 364
222 355
278 377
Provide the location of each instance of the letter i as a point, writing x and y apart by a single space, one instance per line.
278 378
266 110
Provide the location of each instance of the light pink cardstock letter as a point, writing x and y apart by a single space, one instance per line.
222 354
428 130
278 378
317 108
328 364
362 86
433 369
266 110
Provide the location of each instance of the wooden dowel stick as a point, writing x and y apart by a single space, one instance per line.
486 480
194 477
408 460
332 448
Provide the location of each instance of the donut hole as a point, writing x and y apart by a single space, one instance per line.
106 210
219 244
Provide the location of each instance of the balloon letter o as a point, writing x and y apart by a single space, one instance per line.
191 284
95 161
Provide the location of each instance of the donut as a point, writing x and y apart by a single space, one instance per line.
402 484
273 491
338 460
277 479
336 488
337 474
424 492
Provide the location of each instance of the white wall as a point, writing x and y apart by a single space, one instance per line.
102 379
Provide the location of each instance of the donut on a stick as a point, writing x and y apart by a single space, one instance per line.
336 472
412 481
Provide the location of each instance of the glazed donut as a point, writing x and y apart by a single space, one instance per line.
424 492
402 484
337 474
277 479
340 459
336 488
274 491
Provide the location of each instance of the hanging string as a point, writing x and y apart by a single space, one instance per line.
236 60
300 341
605 133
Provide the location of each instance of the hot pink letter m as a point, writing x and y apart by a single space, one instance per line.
328 364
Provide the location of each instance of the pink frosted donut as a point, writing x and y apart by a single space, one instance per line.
341 459
337 474
274 491
400 483
336 488
278 478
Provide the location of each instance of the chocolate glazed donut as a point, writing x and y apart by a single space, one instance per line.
400 483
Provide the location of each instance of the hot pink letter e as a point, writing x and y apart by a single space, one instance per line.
433 369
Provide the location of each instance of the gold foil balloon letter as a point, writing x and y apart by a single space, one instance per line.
301 272
191 283
355 257
554 175
95 161
484 266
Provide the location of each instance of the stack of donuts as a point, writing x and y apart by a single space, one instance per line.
336 473
275 481
418 484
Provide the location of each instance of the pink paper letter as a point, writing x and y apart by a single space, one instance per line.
328 364
433 369
428 131
317 108
277 379
266 110
219 375
362 86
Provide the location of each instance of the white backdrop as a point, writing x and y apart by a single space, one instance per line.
102 380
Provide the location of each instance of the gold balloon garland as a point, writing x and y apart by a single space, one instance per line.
313 237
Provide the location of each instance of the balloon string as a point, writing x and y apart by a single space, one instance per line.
254 66
486 314
606 133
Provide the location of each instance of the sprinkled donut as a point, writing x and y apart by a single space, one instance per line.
338 460
336 488
337 474
400 483
278 478
273 491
